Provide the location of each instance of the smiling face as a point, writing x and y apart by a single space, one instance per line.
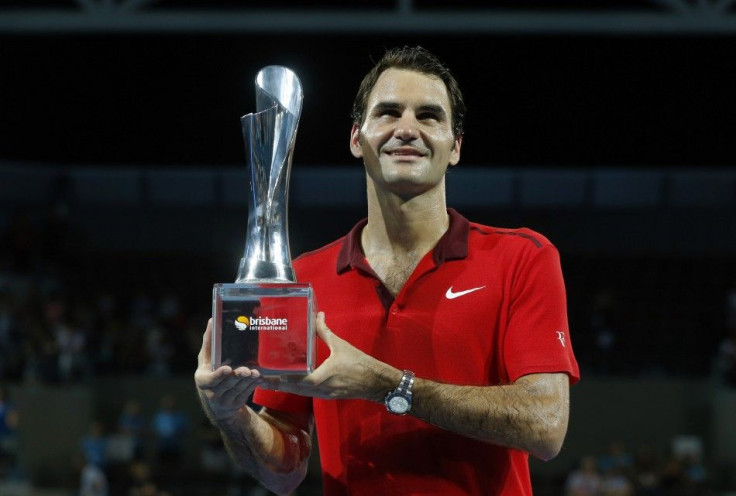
406 139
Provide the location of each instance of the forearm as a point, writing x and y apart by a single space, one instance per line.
272 452
529 415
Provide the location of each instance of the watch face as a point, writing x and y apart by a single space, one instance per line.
398 404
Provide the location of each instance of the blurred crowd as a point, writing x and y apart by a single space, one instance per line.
618 472
65 316
68 315
145 454
68 312
56 336
137 453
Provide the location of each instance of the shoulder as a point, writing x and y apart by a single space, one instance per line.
329 250
521 239
317 259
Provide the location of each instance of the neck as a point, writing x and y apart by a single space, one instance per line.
400 225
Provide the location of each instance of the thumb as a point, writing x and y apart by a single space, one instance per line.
205 353
324 332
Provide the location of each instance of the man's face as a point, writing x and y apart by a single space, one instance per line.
406 140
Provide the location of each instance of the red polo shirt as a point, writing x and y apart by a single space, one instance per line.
485 307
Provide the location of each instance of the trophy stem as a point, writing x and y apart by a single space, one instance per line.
262 271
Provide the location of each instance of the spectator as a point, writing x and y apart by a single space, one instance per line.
673 478
169 425
585 481
616 457
148 489
70 343
132 424
94 446
615 483
139 473
93 481
159 350
141 481
646 473
695 472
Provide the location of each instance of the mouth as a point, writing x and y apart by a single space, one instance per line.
405 152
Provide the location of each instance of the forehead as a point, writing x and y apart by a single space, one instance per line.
409 87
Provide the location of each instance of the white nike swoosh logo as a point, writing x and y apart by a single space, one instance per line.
451 296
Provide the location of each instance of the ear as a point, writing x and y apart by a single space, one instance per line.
455 152
355 147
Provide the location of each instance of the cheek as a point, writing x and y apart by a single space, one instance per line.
447 143
372 138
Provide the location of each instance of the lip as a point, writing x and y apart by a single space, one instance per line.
405 151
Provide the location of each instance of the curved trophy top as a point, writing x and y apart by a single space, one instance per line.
269 139
276 84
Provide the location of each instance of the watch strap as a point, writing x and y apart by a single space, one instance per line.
407 382
403 390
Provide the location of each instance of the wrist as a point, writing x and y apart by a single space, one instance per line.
385 382
234 426
220 418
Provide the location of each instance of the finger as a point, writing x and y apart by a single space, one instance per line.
246 373
243 397
237 377
207 379
232 395
237 395
205 353
324 332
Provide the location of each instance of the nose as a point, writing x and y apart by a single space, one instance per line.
406 127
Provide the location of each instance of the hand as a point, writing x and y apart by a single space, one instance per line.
224 392
346 373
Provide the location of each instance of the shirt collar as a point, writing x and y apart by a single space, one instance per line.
453 245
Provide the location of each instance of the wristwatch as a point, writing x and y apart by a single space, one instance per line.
398 401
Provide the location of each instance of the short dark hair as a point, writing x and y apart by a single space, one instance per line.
414 59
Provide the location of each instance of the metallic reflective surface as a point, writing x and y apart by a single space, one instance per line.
269 136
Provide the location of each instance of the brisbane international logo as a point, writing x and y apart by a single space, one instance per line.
243 323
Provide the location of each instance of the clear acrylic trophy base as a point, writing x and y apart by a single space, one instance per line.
264 326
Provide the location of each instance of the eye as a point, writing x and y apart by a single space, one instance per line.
425 116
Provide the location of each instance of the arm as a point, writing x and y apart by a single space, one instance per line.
531 414
272 446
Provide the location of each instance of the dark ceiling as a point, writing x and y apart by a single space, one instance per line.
174 100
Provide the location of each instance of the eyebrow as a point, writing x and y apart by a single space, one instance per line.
382 106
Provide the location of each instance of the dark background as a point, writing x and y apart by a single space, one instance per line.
565 100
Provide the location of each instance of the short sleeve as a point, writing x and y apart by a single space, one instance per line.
537 338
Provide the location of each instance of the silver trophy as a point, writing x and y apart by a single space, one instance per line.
265 320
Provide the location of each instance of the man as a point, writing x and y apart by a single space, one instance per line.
450 360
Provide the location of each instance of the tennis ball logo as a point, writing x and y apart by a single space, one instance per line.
242 323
